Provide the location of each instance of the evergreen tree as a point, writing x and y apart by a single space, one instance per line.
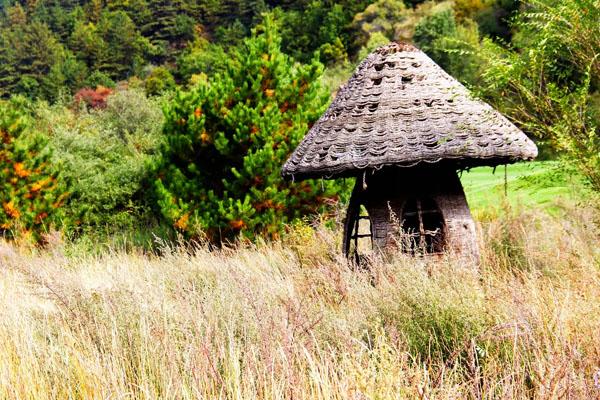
30 59
227 139
319 25
87 44
114 46
137 10
125 47
60 16
29 191
169 27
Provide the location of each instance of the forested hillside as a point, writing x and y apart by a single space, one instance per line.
54 47
51 47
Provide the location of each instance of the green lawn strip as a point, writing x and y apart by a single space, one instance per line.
541 184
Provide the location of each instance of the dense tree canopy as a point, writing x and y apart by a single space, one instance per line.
50 48
227 139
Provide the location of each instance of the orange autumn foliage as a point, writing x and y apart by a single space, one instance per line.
20 170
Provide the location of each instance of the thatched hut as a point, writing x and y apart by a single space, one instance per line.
404 127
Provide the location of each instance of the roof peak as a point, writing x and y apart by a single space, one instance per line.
394 47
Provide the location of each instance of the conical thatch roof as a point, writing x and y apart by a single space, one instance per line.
401 108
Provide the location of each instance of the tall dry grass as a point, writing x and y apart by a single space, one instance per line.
290 320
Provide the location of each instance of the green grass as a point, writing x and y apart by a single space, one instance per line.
540 184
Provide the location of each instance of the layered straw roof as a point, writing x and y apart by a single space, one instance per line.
400 108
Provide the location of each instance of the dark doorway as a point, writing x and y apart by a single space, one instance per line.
422 226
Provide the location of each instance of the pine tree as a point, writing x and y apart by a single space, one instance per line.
29 53
125 46
137 10
170 27
29 191
87 44
227 139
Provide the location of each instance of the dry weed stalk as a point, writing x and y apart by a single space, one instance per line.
290 320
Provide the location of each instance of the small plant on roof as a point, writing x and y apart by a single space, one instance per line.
227 139
29 192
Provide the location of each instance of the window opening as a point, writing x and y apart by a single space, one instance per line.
422 227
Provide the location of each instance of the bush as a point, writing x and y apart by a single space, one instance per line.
378 19
29 190
430 30
226 142
201 57
494 18
158 81
376 40
334 52
98 78
106 155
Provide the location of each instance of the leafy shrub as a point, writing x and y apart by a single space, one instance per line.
376 40
106 155
201 57
494 18
453 46
393 20
462 60
468 8
378 19
29 192
430 30
333 52
227 139
158 81
99 78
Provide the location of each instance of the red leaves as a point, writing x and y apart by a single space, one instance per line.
93 98
40 217
284 107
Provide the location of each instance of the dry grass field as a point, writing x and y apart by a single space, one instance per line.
290 320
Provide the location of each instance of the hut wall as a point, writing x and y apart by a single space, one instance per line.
387 192
460 227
